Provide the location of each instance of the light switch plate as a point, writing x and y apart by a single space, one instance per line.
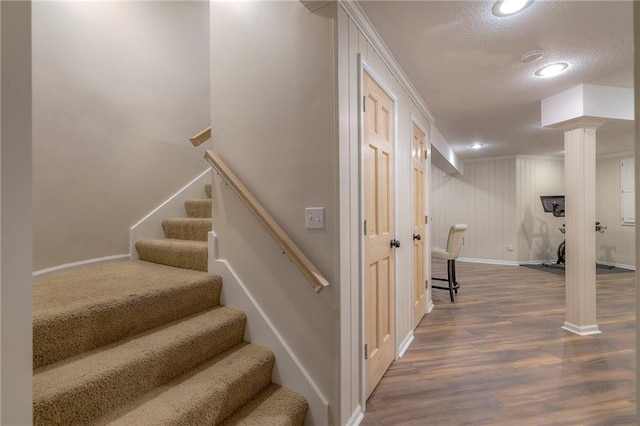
314 218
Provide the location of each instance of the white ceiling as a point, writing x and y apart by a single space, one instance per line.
466 64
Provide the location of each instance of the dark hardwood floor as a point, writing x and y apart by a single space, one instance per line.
499 357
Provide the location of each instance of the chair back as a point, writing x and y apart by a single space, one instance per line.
454 242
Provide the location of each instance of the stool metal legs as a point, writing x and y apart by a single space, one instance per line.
451 279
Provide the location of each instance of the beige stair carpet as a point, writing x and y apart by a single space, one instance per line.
185 245
76 390
205 395
178 253
198 208
147 343
187 228
83 309
274 406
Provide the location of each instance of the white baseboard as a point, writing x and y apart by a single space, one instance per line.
150 226
430 306
538 262
356 417
489 261
584 330
74 265
617 265
405 344
288 370
534 262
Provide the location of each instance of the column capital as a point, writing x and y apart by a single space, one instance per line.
579 123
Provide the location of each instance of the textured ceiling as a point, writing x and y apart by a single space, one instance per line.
466 64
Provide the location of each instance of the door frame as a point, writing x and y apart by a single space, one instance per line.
418 122
365 67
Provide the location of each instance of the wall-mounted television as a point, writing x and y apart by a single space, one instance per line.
553 204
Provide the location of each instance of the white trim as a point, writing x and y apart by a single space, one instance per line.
584 330
356 417
489 261
543 157
430 306
314 5
75 265
150 225
500 157
288 370
623 154
406 342
365 26
617 265
537 262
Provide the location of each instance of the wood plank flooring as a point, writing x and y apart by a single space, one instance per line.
499 357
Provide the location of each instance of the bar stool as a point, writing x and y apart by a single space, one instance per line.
450 254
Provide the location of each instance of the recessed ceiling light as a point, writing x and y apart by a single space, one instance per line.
509 7
552 70
477 145
534 55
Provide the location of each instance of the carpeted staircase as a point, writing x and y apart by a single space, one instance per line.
147 342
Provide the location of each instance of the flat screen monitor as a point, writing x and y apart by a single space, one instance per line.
553 204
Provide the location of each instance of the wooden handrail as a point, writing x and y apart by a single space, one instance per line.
291 249
201 137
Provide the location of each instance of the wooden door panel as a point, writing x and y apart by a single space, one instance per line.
418 165
378 206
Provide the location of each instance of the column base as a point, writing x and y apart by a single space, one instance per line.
584 330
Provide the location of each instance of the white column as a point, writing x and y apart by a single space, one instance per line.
580 237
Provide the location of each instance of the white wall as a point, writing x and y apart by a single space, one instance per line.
118 88
538 232
484 199
617 244
351 43
500 201
15 216
273 108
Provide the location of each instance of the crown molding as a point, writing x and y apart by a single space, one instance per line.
355 12
621 155
314 5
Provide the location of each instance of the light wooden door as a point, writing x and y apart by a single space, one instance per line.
418 162
378 204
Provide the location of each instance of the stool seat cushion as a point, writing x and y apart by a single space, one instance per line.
440 253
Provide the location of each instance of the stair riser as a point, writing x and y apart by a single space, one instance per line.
274 406
187 231
187 259
198 208
60 338
226 390
80 405
241 391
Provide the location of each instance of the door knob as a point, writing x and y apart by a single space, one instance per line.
417 237
395 243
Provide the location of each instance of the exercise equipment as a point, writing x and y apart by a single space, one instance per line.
554 204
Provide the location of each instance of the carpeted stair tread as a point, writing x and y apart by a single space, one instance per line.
183 228
207 190
206 395
179 253
87 386
198 207
97 305
274 406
